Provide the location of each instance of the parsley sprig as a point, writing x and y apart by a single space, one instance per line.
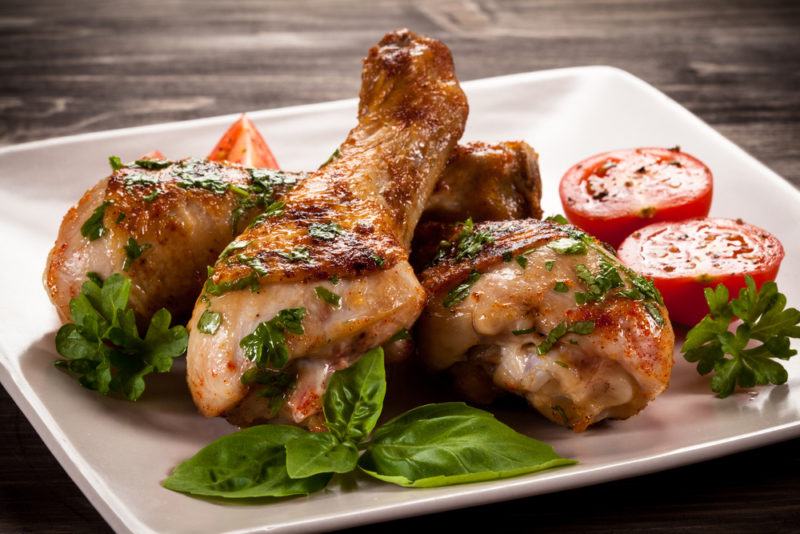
731 355
102 347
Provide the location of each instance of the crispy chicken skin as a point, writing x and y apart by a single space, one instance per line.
411 114
182 215
488 183
494 333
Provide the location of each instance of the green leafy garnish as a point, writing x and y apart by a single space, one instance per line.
522 261
233 246
765 319
597 284
379 261
469 242
548 265
557 219
400 335
325 232
433 445
508 256
115 162
561 287
333 157
209 322
561 329
300 254
266 345
153 164
93 228
326 295
568 245
133 252
102 346
461 291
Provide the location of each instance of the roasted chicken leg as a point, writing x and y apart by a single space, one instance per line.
546 312
345 231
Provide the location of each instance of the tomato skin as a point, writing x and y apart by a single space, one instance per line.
607 196
243 144
154 154
708 252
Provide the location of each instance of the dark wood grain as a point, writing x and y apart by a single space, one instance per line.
70 67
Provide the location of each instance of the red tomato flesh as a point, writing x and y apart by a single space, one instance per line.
243 144
684 257
610 195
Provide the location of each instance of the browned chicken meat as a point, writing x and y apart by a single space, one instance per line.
306 290
161 223
544 311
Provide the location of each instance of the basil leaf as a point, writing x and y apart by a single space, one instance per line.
314 453
452 443
245 464
354 399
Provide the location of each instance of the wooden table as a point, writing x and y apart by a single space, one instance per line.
85 65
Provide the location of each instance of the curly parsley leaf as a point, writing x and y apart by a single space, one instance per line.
732 356
102 347
115 162
461 291
266 345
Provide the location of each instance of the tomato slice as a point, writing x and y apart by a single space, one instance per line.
154 154
610 195
684 257
243 144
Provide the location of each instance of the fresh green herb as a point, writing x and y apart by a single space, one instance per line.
461 291
95 277
561 287
152 195
560 330
209 322
379 261
233 246
548 265
133 251
153 164
120 218
138 179
93 228
273 210
522 261
524 331
508 256
254 263
333 279
274 385
251 281
333 157
300 254
328 296
266 345
400 335
557 219
765 319
433 445
469 242
599 284
115 162
325 232
452 443
568 245
102 346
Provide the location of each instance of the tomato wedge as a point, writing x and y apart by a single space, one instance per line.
153 154
610 195
684 257
243 144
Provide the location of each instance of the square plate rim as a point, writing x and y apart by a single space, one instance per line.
121 518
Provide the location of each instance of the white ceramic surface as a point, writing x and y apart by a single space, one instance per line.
117 452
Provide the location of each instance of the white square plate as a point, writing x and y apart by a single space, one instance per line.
117 452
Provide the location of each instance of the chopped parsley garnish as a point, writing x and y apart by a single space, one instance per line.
251 281
209 322
328 296
133 252
548 265
102 346
561 287
461 291
599 284
508 256
275 385
115 162
120 218
731 355
233 246
557 219
266 345
273 210
152 195
300 254
524 331
379 261
522 261
333 279
254 263
333 157
93 228
153 164
561 329
469 242
325 231
568 245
